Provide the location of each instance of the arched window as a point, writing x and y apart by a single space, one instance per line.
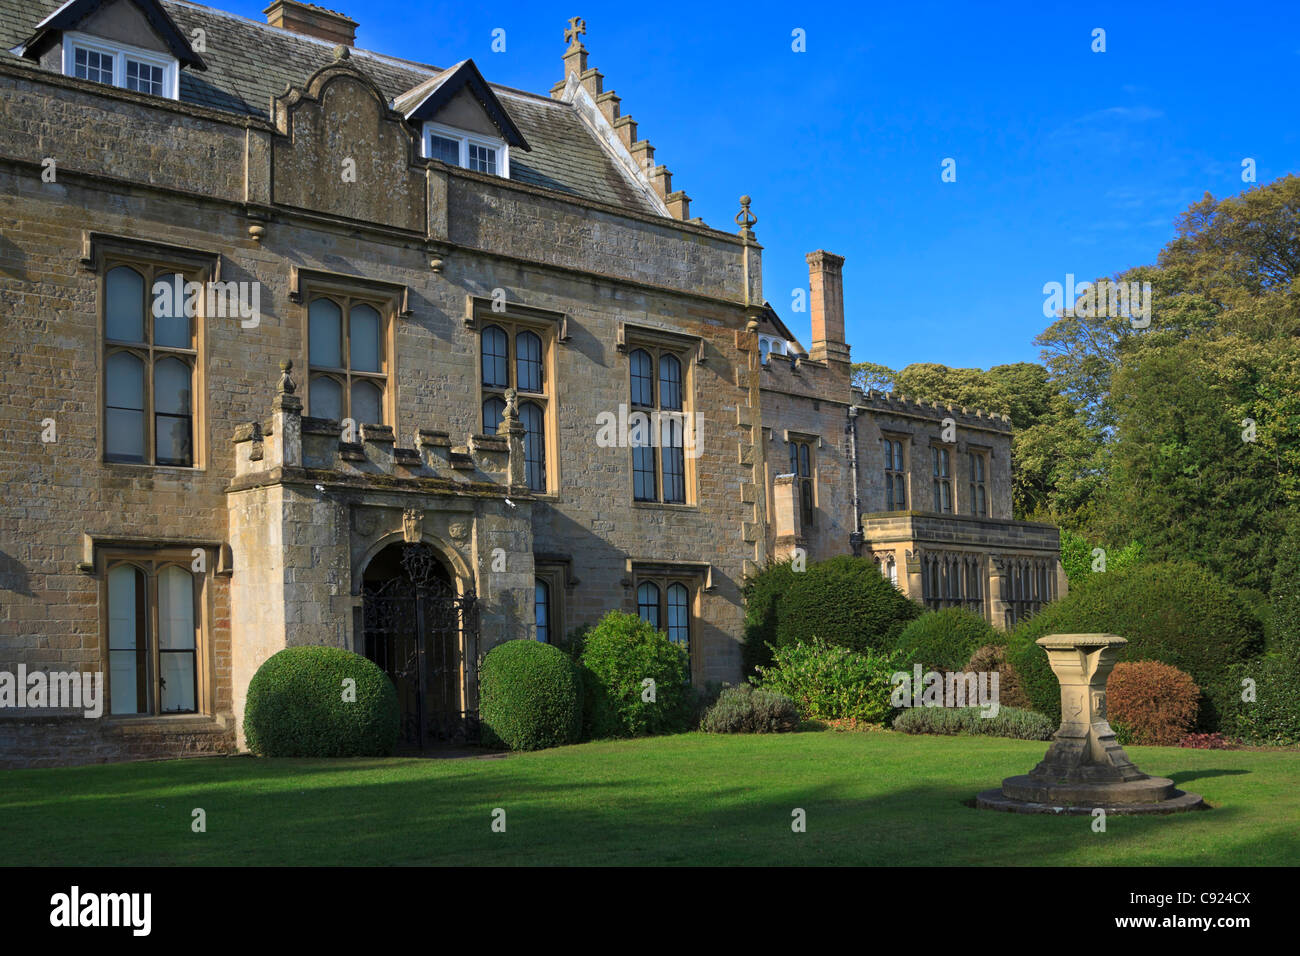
173 424
124 438
326 397
124 307
128 650
542 610
494 409
345 352
177 641
647 603
528 362
670 383
533 420
679 614
325 334
149 367
764 349
495 358
367 403
642 370
154 630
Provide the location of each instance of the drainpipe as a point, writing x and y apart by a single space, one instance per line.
851 429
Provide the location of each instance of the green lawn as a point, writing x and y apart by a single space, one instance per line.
871 798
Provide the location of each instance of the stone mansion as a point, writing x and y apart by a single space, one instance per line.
307 344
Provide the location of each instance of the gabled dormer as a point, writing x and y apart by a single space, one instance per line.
132 44
461 121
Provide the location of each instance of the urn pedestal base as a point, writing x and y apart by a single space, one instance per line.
1085 767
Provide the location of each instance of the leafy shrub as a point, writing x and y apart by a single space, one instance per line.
993 658
1076 557
830 682
1206 742
1154 703
1273 717
296 706
844 601
944 640
618 654
1009 722
1174 612
750 710
530 696
703 699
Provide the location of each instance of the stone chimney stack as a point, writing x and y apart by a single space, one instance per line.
313 21
826 291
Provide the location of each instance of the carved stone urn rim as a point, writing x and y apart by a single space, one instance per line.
1081 640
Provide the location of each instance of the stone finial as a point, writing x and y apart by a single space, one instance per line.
511 412
577 27
745 219
286 386
341 52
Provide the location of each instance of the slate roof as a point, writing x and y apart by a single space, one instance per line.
249 62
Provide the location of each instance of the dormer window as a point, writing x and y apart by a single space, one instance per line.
116 64
466 150
769 346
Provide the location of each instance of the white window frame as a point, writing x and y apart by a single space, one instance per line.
120 52
465 139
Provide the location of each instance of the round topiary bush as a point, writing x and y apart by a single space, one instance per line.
1174 612
844 601
301 704
750 710
944 640
1153 703
618 655
530 696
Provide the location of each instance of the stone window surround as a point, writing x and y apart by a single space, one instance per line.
813 442
391 301
555 573
512 324
687 349
153 556
953 464
466 139
121 52
904 439
102 253
985 452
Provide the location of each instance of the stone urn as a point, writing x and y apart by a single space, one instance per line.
1085 768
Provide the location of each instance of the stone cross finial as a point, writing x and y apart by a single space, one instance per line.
745 219
577 28
286 386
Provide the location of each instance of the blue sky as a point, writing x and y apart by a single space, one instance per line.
1067 161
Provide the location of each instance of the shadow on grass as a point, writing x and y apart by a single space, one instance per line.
1183 776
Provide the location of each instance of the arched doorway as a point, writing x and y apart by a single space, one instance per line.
424 635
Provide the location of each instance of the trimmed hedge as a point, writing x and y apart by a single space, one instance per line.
1284 596
296 706
750 710
1174 612
1154 703
829 682
1009 722
530 696
618 654
844 601
1273 717
944 640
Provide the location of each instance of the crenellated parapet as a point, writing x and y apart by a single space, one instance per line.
899 404
288 442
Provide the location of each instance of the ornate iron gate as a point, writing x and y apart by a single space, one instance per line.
425 638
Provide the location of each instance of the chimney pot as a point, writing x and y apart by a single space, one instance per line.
826 292
312 21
